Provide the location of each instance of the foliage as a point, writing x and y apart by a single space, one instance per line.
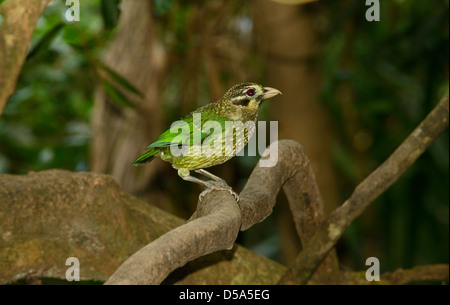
42 128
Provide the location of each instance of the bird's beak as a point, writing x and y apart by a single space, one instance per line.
270 92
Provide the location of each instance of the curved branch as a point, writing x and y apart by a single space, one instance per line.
217 220
215 229
294 173
368 190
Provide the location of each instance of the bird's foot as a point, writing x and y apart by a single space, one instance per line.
219 185
216 183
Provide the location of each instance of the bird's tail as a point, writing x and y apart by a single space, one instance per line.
145 158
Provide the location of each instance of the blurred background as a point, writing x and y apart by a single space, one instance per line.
92 94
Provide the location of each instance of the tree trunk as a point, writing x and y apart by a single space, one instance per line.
120 134
20 18
289 44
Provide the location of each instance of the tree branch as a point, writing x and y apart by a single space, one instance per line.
368 190
217 220
20 18
294 173
436 273
433 273
215 229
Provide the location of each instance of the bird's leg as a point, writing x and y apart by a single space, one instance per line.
206 184
209 175
215 184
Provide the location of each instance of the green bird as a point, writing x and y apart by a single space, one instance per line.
206 138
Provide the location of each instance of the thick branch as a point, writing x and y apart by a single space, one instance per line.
367 191
218 219
20 18
294 173
216 230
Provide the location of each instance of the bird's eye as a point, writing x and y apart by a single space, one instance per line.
250 92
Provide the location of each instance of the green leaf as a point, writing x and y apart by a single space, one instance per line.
116 95
120 79
45 41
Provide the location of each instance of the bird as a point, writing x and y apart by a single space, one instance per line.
197 147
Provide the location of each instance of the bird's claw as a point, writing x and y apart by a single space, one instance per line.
219 186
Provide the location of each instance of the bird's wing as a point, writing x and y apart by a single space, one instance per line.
182 131
166 139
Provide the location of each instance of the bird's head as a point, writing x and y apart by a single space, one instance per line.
246 98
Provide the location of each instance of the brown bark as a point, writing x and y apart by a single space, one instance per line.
294 173
20 18
120 134
217 230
